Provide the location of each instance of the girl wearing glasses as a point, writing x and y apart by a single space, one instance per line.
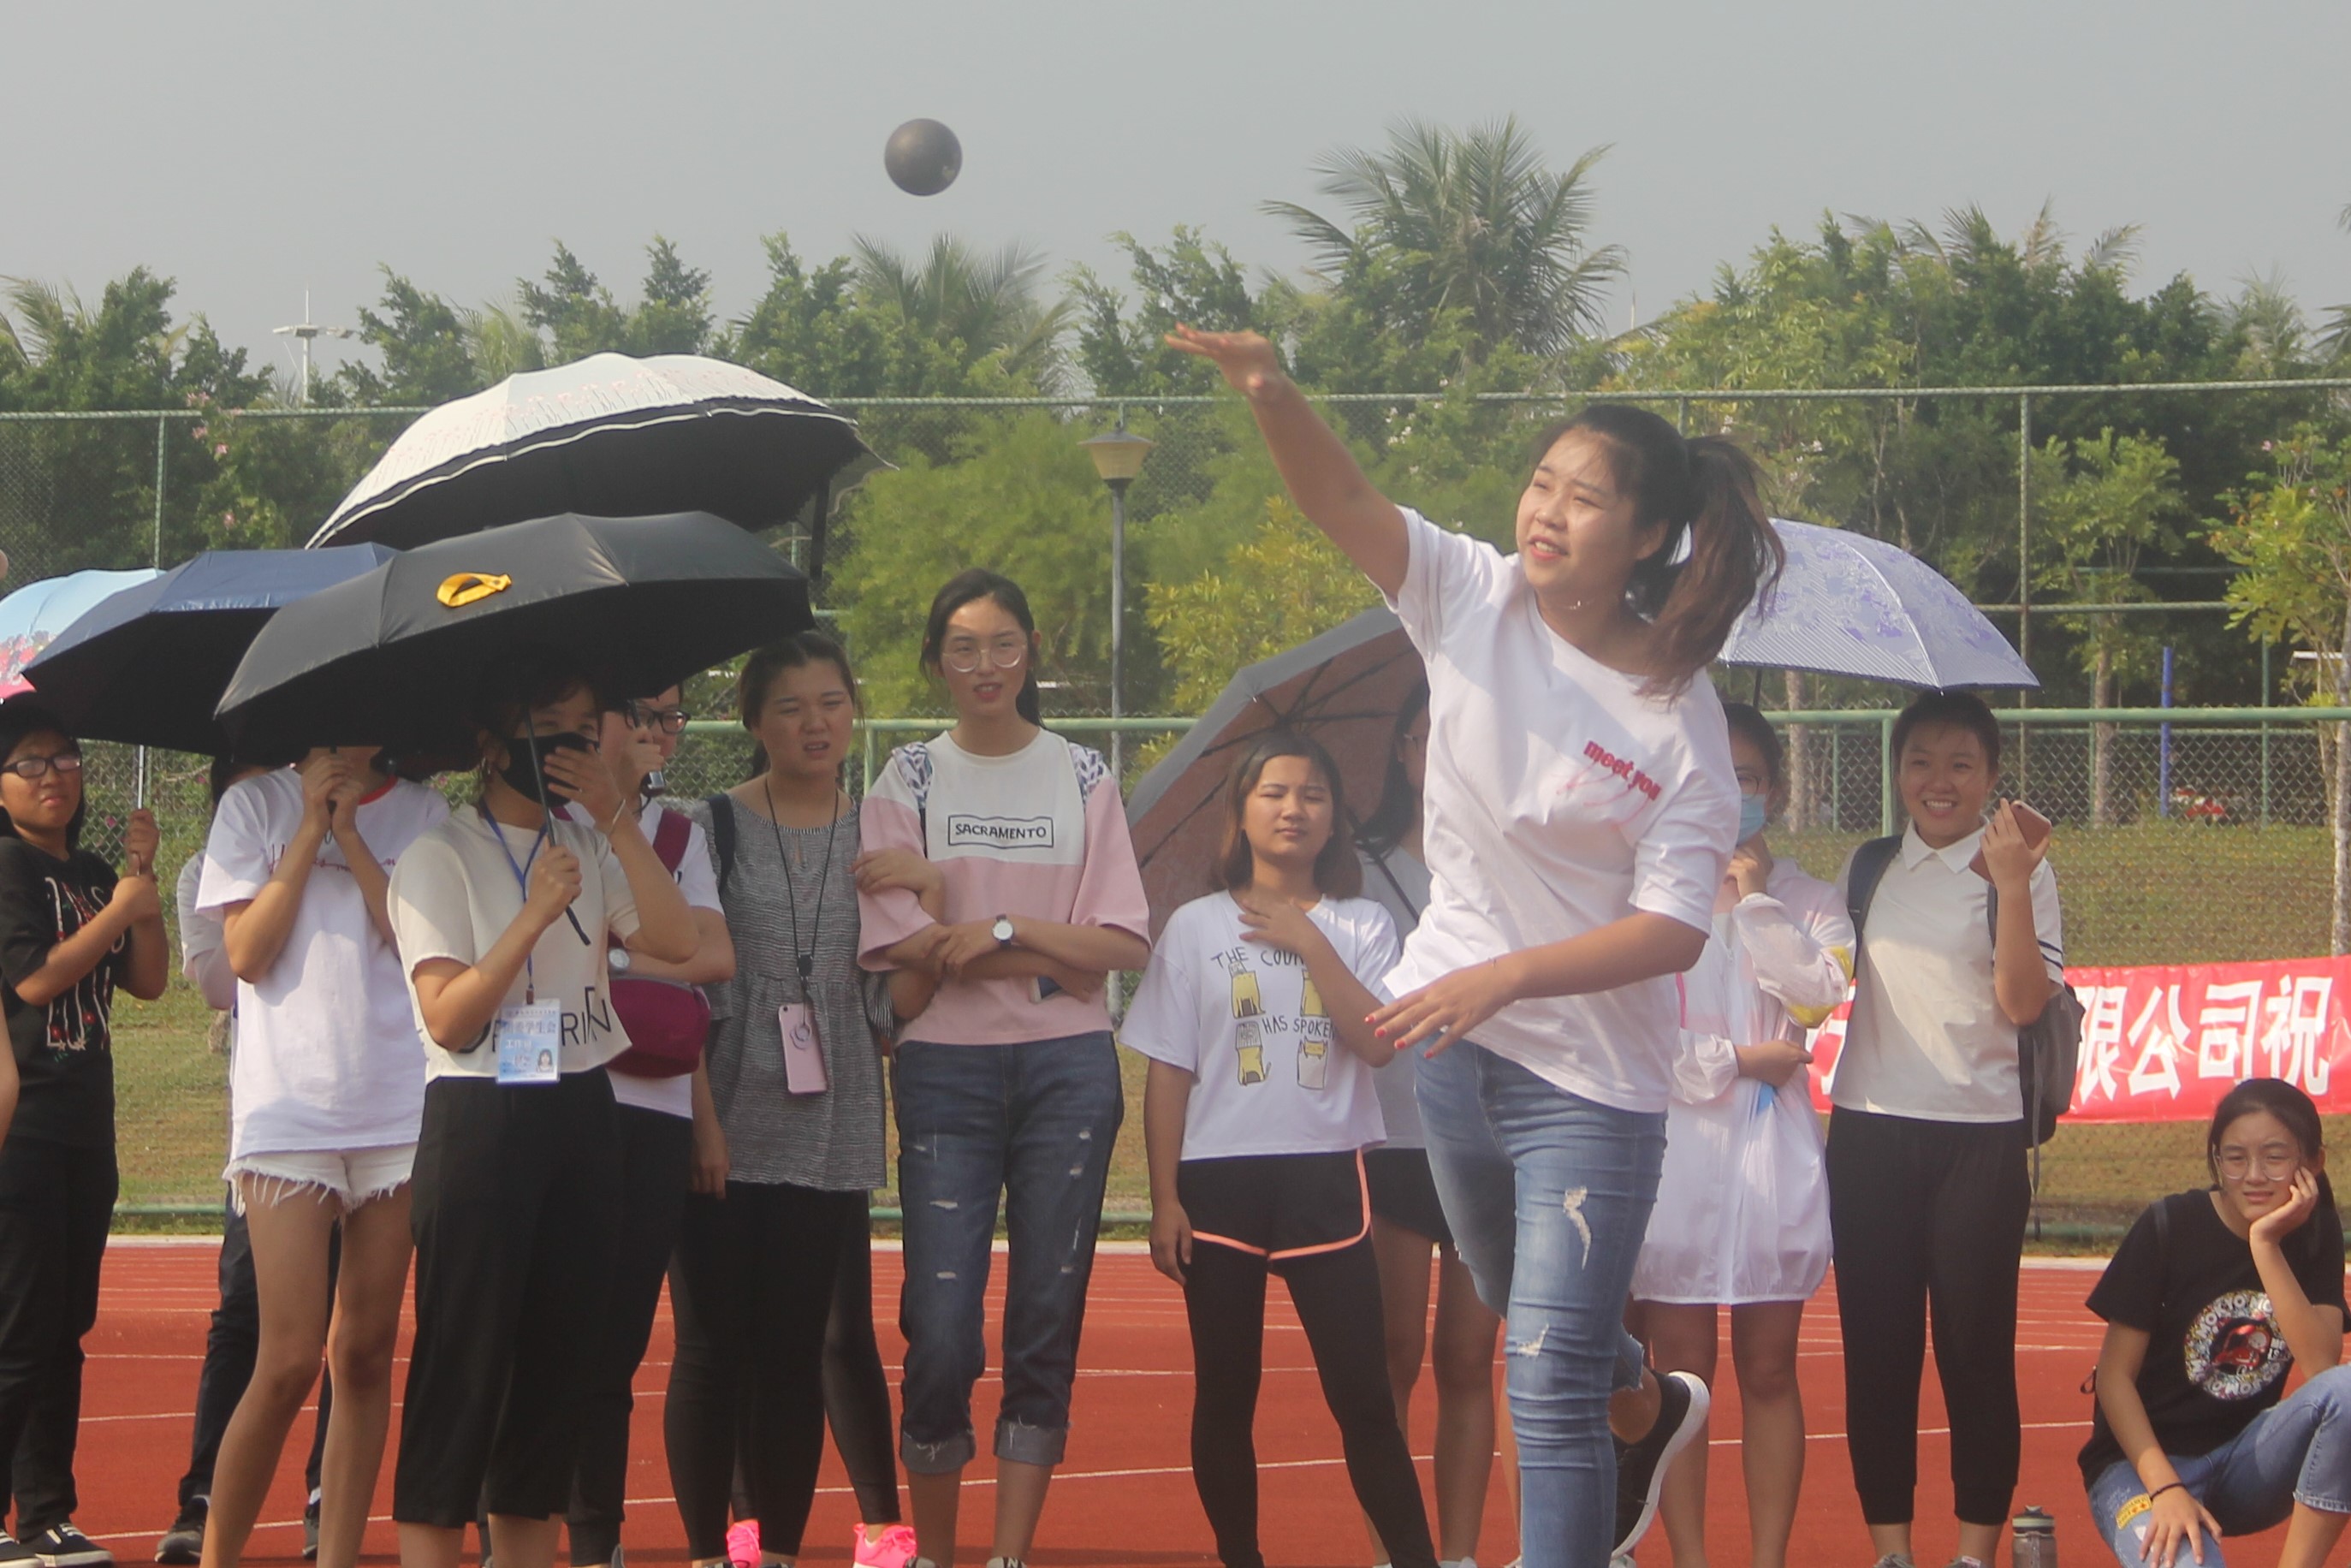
2212 1301
326 1091
501 916
70 932
1007 1083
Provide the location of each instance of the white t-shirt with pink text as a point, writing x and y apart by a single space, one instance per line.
1041 833
1560 798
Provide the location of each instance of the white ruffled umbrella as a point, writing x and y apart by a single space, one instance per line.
608 435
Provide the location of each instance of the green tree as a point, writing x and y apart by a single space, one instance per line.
1272 590
2102 503
1190 280
2289 530
1018 497
1474 221
975 307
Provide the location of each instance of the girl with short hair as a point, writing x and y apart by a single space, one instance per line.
501 916
71 932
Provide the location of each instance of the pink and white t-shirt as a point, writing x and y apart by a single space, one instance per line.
1041 833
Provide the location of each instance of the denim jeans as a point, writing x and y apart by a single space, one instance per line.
1034 1122
2295 1451
1548 1195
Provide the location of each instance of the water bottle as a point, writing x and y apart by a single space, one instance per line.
2034 1542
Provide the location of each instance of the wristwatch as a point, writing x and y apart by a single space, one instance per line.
1002 931
617 960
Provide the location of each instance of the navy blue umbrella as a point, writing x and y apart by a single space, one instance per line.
148 664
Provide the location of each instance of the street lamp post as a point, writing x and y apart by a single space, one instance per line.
1118 458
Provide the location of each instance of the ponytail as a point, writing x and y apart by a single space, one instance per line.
1720 550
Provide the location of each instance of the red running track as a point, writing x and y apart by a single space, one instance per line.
1125 1497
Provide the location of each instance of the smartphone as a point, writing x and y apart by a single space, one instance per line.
2036 833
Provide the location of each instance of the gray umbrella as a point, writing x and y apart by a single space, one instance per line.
1344 688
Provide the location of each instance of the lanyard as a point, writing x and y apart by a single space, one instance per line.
522 882
804 961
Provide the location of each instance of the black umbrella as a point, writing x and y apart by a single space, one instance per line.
611 436
392 658
1344 688
148 665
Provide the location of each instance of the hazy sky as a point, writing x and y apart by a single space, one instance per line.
253 150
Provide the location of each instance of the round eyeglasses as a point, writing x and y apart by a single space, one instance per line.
966 658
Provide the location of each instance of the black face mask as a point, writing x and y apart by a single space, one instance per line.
522 772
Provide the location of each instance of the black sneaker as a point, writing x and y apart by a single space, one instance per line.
63 1546
1682 1405
183 1543
310 1531
15 1553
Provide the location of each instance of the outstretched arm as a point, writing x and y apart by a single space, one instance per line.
1322 475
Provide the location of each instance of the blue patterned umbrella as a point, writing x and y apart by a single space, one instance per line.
1851 605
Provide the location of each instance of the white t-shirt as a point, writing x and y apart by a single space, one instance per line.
699 882
326 1057
1559 800
1244 1018
1400 886
203 946
1927 1038
454 895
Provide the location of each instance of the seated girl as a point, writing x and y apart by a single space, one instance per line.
2212 1298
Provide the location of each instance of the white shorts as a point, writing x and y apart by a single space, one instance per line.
352 1178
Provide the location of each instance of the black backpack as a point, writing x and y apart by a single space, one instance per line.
2048 1049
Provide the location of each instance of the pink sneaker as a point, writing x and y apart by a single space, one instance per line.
743 1544
894 1550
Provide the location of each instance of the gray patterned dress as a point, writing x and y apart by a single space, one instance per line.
832 1141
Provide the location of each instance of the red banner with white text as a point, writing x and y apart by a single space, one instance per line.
2164 1043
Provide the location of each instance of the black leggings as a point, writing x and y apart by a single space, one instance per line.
1929 1212
655 1153
856 1389
57 1201
752 1286
1306 1217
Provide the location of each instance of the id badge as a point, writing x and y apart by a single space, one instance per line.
803 1051
531 1043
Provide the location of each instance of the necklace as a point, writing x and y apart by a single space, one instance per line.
803 959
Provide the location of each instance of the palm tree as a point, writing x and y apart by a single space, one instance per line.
989 304
1480 223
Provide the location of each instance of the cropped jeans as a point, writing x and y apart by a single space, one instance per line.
1548 1195
1034 1122
2295 1451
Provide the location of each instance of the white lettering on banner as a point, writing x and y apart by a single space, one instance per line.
1000 832
2296 1031
2164 1042
2224 1039
2102 1041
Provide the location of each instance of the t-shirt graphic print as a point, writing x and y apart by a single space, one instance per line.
2232 1349
1246 1021
78 1018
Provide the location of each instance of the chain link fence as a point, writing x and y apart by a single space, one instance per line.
2192 835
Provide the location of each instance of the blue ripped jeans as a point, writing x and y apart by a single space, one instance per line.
1033 1122
2296 1451
1549 1196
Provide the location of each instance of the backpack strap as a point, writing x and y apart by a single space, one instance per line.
722 837
669 840
1868 869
